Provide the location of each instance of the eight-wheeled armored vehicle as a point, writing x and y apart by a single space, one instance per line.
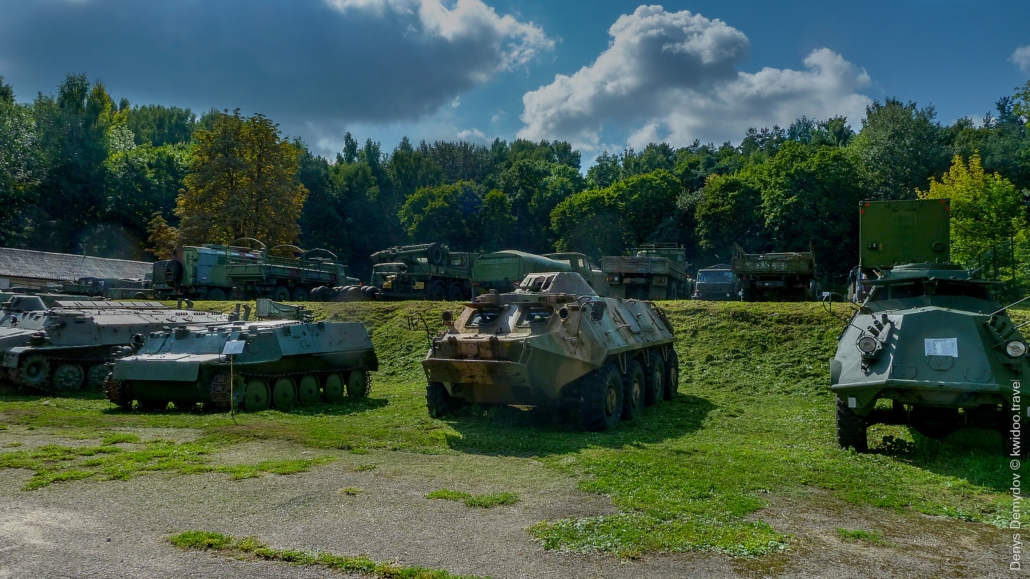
553 340
65 346
254 365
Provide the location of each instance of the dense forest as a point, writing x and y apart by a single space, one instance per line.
82 173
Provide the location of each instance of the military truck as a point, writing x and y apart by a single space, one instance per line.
110 288
503 270
64 346
654 272
783 276
252 365
554 341
582 265
429 271
219 272
929 341
716 283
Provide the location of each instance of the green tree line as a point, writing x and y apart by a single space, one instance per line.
82 173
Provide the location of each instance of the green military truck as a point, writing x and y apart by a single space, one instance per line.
654 272
582 265
503 270
428 271
111 288
219 272
716 283
781 276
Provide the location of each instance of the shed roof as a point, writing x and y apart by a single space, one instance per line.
67 267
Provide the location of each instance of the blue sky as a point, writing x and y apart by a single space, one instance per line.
479 69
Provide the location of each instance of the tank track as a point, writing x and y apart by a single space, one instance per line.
115 392
221 392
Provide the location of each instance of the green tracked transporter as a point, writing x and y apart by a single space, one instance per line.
64 345
928 338
554 341
252 365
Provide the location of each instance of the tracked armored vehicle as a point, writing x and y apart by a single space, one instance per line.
929 338
63 346
554 341
253 365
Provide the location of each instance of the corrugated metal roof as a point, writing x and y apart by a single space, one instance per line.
67 267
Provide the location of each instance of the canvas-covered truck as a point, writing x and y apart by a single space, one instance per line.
654 272
780 276
582 265
428 271
219 272
503 270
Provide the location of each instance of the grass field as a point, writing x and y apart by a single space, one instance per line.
753 420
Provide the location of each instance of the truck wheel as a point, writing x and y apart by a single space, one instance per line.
851 428
284 394
300 294
600 406
95 377
436 292
256 398
672 375
633 391
68 378
434 254
456 294
358 384
281 294
934 422
333 388
216 295
654 379
439 402
34 372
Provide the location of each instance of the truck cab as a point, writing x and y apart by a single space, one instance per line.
717 283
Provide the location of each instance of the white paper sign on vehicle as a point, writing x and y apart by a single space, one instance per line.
941 347
233 347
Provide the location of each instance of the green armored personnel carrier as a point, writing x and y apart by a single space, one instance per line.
254 365
929 339
64 345
553 340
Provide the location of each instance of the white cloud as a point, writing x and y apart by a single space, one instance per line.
1021 58
473 136
672 76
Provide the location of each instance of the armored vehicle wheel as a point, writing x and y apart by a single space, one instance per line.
34 372
851 428
153 405
632 391
600 395
436 292
284 394
456 294
68 378
299 294
654 379
439 402
333 388
672 375
117 393
281 294
215 295
95 377
307 390
934 422
358 384
184 406
256 397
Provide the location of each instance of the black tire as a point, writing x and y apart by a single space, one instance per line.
600 399
439 402
672 375
455 294
851 428
300 294
633 386
434 254
436 292
281 294
654 379
215 295
934 422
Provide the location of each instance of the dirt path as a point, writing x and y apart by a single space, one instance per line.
95 528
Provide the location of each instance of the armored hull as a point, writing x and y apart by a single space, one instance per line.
254 365
932 340
554 340
65 347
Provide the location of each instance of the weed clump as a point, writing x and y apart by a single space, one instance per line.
486 501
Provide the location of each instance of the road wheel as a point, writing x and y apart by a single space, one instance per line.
439 402
281 294
117 393
654 379
436 292
307 390
95 377
600 406
358 384
284 394
68 378
153 405
672 375
216 295
333 388
300 294
34 372
456 294
632 391
256 396
851 428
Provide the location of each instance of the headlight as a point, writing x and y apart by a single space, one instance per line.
1015 348
867 344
